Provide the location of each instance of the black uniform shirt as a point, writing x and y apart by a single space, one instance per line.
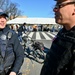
18 50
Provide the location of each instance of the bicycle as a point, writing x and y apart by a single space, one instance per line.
33 49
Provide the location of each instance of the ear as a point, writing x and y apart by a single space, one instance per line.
73 12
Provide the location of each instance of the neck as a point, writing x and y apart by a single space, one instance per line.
68 27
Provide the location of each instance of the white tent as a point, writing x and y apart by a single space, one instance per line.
32 21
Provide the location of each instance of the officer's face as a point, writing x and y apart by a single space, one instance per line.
64 10
2 21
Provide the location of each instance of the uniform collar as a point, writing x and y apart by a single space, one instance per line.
4 30
72 29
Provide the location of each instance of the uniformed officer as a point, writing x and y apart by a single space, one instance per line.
60 59
9 48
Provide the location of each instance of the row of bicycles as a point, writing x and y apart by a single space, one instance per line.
33 49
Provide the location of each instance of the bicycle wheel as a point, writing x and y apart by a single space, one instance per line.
39 56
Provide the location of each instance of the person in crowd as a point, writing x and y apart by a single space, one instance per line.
60 60
11 52
34 27
21 29
41 27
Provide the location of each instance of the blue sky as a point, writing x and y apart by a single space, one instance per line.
36 8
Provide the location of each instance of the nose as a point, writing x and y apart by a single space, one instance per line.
2 19
55 9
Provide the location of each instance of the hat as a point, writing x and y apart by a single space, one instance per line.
3 13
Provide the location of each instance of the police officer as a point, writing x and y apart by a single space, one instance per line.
11 52
60 60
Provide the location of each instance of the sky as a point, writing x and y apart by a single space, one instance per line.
36 8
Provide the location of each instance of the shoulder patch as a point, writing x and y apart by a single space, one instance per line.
10 33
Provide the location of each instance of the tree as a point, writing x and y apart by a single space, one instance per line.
10 8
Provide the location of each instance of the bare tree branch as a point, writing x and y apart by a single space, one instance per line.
10 8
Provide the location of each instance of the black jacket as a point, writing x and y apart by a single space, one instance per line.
60 58
22 28
18 50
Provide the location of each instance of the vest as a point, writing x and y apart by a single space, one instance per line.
6 52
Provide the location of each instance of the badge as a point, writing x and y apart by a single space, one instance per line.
3 37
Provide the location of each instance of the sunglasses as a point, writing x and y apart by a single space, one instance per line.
60 5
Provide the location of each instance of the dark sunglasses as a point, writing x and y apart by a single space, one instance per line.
60 5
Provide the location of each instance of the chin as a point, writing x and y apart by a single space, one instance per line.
58 21
2 27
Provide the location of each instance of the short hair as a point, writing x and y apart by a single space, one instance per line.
24 23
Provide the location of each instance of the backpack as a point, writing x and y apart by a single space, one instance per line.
6 52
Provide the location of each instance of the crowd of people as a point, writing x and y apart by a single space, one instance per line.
29 28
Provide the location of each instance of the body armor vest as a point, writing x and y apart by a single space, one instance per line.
6 52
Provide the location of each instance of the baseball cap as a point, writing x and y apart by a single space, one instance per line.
3 13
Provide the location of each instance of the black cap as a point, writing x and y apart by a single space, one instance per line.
3 13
